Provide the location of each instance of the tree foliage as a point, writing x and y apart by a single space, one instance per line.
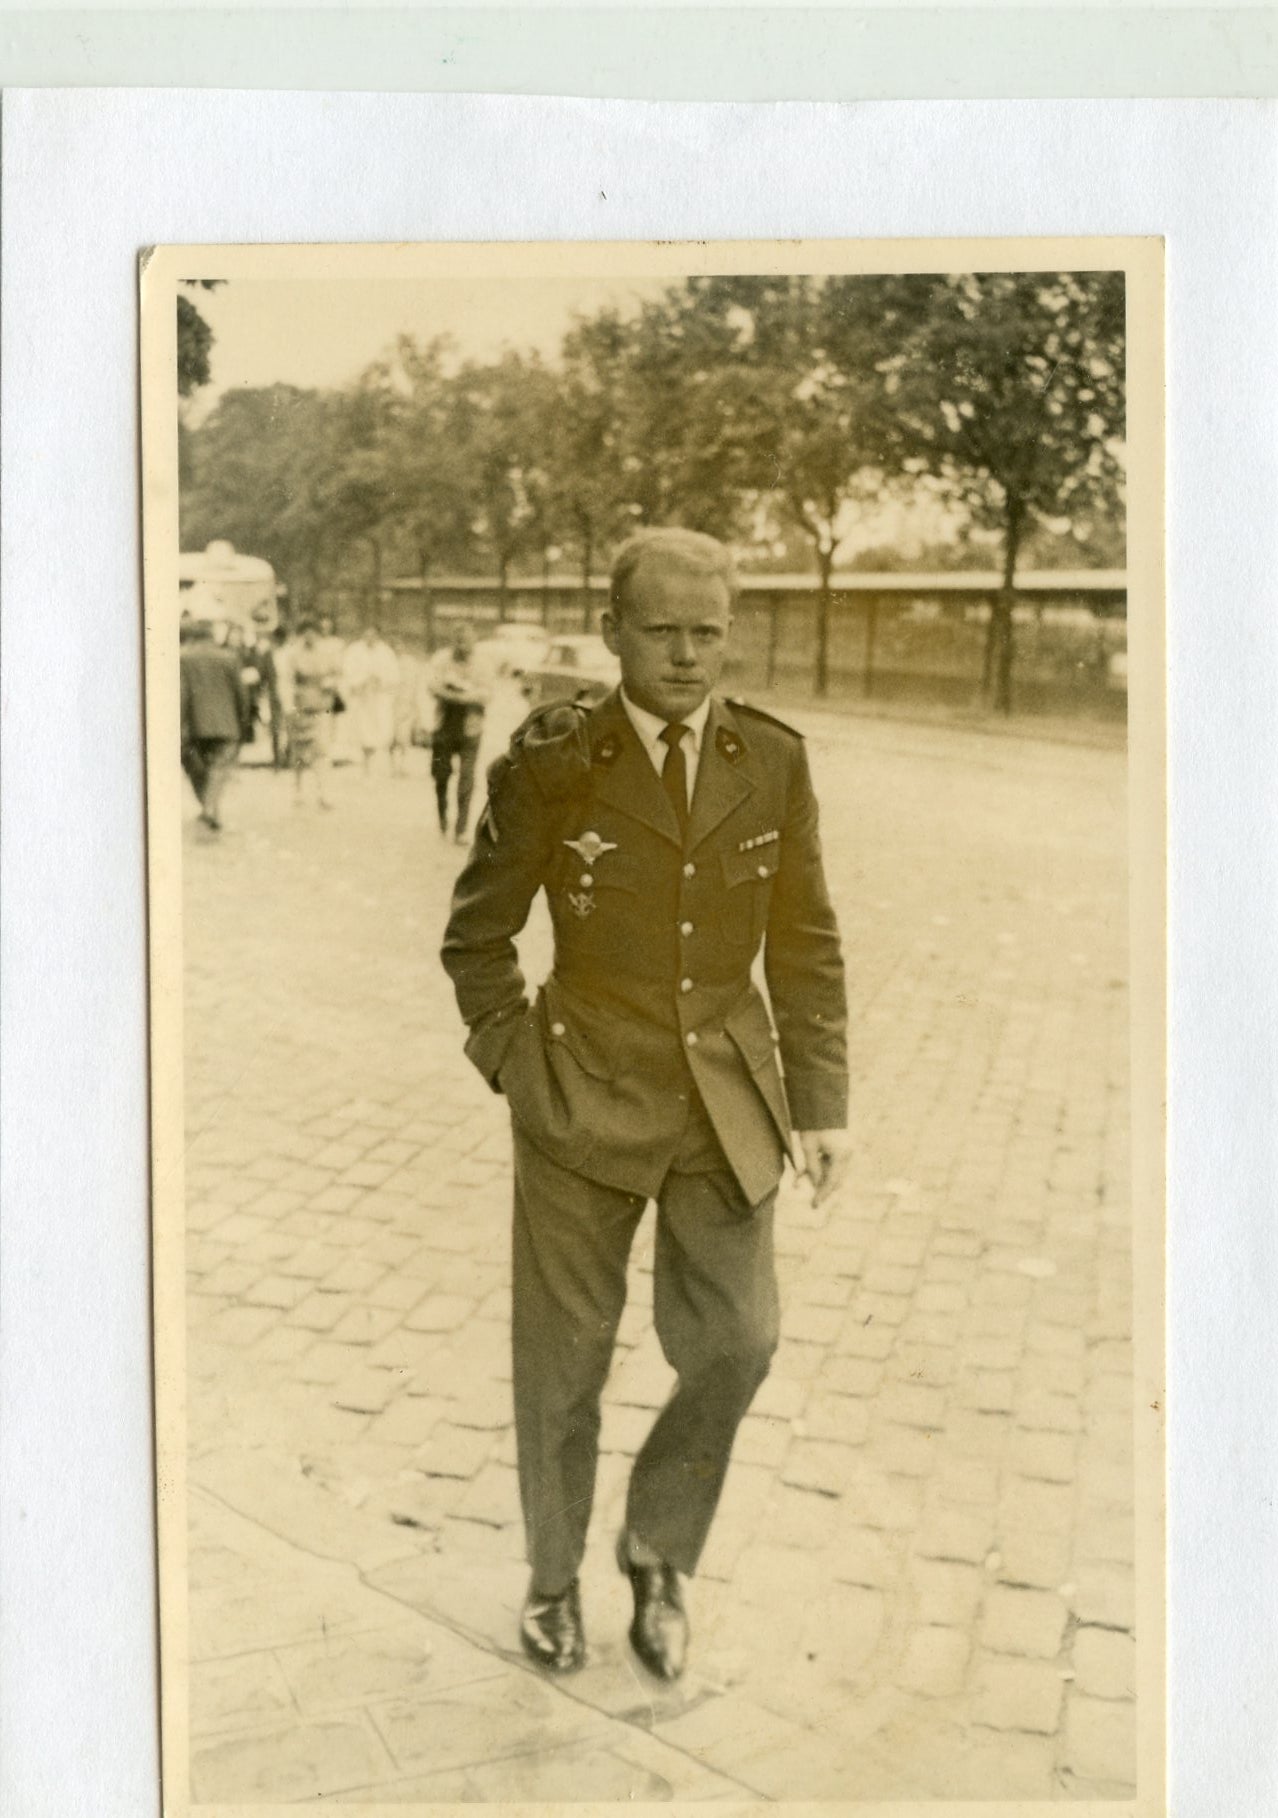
756 408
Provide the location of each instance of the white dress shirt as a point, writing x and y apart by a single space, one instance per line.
650 727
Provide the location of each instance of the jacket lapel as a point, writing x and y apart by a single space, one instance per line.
722 783
628 781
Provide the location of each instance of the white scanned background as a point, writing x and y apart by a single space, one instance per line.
89 177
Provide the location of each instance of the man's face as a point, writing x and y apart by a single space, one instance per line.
671 637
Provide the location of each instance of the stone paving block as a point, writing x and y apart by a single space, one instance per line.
239 1326
1040 1411
911 1404
439 1313
400 1660
246 1689
835 1417
803 1518
966 1480
850 1376
934 1662
363 1325
1031 1623
319 1312
881 1309
456 1728
797 1360
1027 1556
366 1391
777 1399
830 1292
1103 1534
1018 1695
812 1325
624 1430
1047 1456
903 1451
292 1761
962 1535
491 1497
867 1556
1105 1594
231 1279
987 1391
861 1338
945 1593
1100 1740
1044 1507
278 1291
1104 1664
453 1451
941 1297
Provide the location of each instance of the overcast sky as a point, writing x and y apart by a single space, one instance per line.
325 332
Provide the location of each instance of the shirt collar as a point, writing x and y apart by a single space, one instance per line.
650 726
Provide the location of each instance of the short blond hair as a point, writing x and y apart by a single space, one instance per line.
692 551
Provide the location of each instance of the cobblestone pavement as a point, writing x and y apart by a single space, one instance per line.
920 1580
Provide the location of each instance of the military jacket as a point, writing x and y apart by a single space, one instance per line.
655 936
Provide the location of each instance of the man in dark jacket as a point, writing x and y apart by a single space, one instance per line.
214 712
674 833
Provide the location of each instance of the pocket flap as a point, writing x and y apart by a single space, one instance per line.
562 1028
751 1029
754 866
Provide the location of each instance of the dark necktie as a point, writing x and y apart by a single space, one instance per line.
674 772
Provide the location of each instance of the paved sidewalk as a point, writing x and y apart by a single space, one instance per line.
920 1581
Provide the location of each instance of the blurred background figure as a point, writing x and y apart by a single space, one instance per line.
370 675
308 680
461 680
333 648
213 711
406 717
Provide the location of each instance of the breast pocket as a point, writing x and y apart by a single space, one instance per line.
596 908
747 892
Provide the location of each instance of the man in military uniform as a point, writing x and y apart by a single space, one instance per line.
674 833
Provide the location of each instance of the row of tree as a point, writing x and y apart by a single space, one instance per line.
745 406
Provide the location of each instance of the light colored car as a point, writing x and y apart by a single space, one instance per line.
514 648
580 668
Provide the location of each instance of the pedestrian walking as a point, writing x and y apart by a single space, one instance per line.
674 833
370 676
308 678
214 707
460 679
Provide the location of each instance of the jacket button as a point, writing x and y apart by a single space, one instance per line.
557 1029
763 870
586 880
691 1038
685 927
690 870
685 984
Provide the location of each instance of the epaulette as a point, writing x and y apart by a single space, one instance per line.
756 713
555 743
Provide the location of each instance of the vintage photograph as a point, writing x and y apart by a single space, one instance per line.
655 840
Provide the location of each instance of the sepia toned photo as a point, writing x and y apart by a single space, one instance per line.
655 821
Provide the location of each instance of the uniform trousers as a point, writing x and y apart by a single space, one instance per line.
717 1316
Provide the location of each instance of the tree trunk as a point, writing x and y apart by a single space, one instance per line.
871 637
825 565
373 602
503 572
428 600
1001 618
587 563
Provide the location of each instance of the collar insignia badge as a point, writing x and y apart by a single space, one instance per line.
590 847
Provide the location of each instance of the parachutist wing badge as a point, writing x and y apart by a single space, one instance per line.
590 847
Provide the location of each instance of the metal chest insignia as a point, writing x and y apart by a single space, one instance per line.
581 902
590 847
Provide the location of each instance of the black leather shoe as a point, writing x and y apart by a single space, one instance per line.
551 1630
659 1632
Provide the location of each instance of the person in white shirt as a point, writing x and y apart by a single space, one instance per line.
371 676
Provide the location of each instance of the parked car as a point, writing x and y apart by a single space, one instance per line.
576 668
515 648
